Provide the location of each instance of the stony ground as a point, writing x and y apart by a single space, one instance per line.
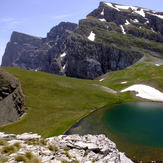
31 148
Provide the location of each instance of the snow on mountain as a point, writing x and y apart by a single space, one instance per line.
91 37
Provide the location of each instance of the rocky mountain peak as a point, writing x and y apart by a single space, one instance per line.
112 37
21 38
129 15
61 28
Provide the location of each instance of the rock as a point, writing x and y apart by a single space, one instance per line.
28 136
82 148
11 98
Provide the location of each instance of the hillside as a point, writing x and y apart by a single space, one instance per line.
55 103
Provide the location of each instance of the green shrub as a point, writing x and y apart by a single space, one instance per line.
28 157
36 142
11 148
53 148
20 158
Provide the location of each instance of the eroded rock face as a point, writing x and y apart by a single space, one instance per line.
109 39
88 148
11 98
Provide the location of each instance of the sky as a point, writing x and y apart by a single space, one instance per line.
37 17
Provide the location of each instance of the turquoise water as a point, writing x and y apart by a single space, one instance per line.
136 128
140 123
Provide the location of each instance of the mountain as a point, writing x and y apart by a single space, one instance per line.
112 37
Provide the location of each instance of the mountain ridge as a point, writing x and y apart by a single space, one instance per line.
112 37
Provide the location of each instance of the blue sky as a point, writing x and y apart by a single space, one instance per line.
37 17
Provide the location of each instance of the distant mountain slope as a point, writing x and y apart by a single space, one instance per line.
112 37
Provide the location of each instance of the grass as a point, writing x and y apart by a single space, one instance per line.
142 73
28 157
40 142
53 148
10 148
55 103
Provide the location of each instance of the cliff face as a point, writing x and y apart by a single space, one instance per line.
112 37
11 98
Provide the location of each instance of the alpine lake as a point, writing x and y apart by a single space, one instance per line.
136 128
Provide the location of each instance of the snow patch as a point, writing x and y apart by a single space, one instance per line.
157 64
146 92
127 22
124 82
126 7
122 7
123 30
159 16
147 22
102 12
63 55
140 12
134 8
103 20
111 5
64 67
91 37
135 21
101 80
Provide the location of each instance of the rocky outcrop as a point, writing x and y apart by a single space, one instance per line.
72 148
11 98
128 16
109 39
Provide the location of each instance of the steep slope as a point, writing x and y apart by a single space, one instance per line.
11 98
112 37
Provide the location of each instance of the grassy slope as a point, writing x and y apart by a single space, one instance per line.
55 102
142 73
